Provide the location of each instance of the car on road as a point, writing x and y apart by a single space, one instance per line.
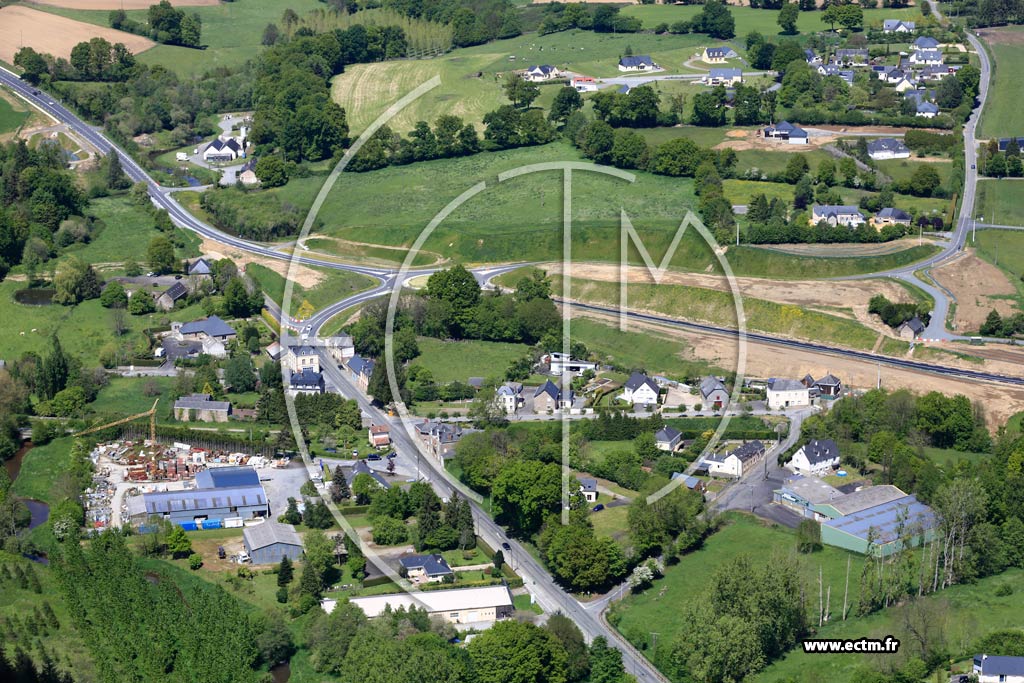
391 455
972 167
506 546
373 456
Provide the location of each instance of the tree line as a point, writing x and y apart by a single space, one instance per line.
165 24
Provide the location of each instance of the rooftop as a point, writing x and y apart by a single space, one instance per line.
227 477
212 326
785 385
866 498
883 521
201 402
432 565
269 533
811 489
199 500
435 601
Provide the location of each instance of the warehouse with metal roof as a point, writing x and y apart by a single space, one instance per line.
270 541
220 493
479 607
865 498
883 529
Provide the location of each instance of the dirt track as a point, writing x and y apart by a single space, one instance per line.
118 4
302 275
764 360
978 287
45 32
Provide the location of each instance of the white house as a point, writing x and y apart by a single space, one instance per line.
816 458
560 363
542 72
668 438
509 397
784 130
225 149
588 487
927 110
926 57
787 393
723 76
640 389
732 463
994 669
898 26
849 216
584 84
887 148
637 63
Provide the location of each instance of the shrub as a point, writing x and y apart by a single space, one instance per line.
195 561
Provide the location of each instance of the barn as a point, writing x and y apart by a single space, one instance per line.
270 541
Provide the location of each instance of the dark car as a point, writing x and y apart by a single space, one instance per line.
330 450
392 454
373 456
177 277
221 553
506 546
598 507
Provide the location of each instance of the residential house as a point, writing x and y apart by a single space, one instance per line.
270 542
816 457
307 381
200 267
478 607
426 568
927 110
1005 142
835 70
299 357
549 398
213 333
718 55
852 57
247 174
925 43
439 437
623 89
201 408
849 216
362 468
668 438
560 363
340 347
588 487
690 482
887 148
361 370
713 393
911 329
828 386
224 149
937 73
172 295
908 82
811 57
926 58
890 216
787 393
998 669
509 397
584 84
723 76
637 63
379 436
543 72
784 130
640 389
898 26
733 463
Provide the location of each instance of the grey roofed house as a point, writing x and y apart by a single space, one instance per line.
852 54
587 484
834 70
828 380
175 292
927 108
548 388
689 481
709 385
891 25
638 379
927 55
637 62
996 667
925 43
510 389
785 129
895 215
201 402
669 436
200 267
211 327
623 89
820 450
475 382
784 384
722 52
726 73
887 145
299 350
268 533
747 451
542 69
307 380
915 325
810 56
360 365
432 565
362 468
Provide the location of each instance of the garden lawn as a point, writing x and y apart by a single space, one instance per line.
717 307
902 169
686 581
336 285
1002 106
450 361
613 522
128 395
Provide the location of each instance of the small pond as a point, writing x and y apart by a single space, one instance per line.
34 297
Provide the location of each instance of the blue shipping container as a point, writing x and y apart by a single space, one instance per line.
189 526
211 524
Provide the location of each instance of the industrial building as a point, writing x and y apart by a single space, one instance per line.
883 529
220 493
269 542
478 607
805 494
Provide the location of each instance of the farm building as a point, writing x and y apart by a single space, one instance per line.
269 542
201 408
883 529
172 295
479 607
858 501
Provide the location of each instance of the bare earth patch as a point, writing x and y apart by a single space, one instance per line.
1002 36
741 140
301 275
841 250
764 360
45 32
118 4
978 287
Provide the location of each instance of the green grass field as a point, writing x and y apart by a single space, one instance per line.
40 469
742 191
127 395
1002 107
335 286
126 233
656 353
902 169
763 21
1004 248
450 361
999 202
713 306
11 116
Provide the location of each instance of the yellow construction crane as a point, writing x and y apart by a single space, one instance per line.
151 414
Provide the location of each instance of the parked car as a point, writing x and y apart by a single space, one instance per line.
373 456
220 552
392 454
598 507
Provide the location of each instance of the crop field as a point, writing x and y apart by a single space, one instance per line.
999 202
471 77
747 19
451 361
118 4
1001 117
46 32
